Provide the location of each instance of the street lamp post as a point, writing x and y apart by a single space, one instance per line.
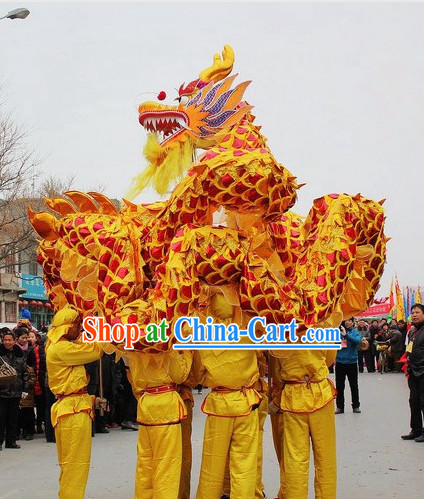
21 13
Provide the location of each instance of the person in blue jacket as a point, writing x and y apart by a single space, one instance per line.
347 365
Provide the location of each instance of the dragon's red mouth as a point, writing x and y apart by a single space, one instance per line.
166 124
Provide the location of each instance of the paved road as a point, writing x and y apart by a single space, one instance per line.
372 459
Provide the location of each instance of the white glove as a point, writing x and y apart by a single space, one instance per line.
101 403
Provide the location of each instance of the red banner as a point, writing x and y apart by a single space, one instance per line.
374 310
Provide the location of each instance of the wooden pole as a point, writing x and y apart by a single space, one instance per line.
101 385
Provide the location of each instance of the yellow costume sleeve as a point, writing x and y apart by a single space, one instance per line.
151 371
198 370
304 374
330 357
77 354
67 376
179 365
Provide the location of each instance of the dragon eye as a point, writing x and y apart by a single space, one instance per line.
184 99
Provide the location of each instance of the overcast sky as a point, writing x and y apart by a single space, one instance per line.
338 89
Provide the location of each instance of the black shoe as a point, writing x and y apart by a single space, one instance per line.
102 430
411 436
339 411
356 410
129 425
12 446
28 437
420 438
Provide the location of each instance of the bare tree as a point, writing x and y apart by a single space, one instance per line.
52 187
17 176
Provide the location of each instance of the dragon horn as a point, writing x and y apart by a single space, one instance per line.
106 205
220 68
382 201
82 201
44 224
128 204
59 205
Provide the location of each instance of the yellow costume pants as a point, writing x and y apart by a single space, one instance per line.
158 462
277 437
262 414
186 427
298 430
73 443
236 437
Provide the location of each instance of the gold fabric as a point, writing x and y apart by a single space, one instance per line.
262 388
158 462
308 414
277 437
294 366
150 370
235 370
73 443
299 430
236 437
186 428
159 449
65 367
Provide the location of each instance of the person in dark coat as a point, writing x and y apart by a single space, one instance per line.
415 352
126 403
396 347
39 359
367 354
373 347
403 331
11 393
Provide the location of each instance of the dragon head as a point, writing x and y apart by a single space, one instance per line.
206 107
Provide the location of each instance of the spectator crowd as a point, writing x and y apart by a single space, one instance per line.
26 401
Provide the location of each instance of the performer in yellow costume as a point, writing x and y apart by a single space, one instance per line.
73 412
160 411
232 424
308 414
274 410
185 390
261 387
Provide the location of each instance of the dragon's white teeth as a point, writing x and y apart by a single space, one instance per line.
182 123
164 126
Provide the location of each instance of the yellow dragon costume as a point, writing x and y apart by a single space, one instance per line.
149 262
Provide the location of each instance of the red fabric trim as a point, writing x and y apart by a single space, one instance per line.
83 391
159 389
